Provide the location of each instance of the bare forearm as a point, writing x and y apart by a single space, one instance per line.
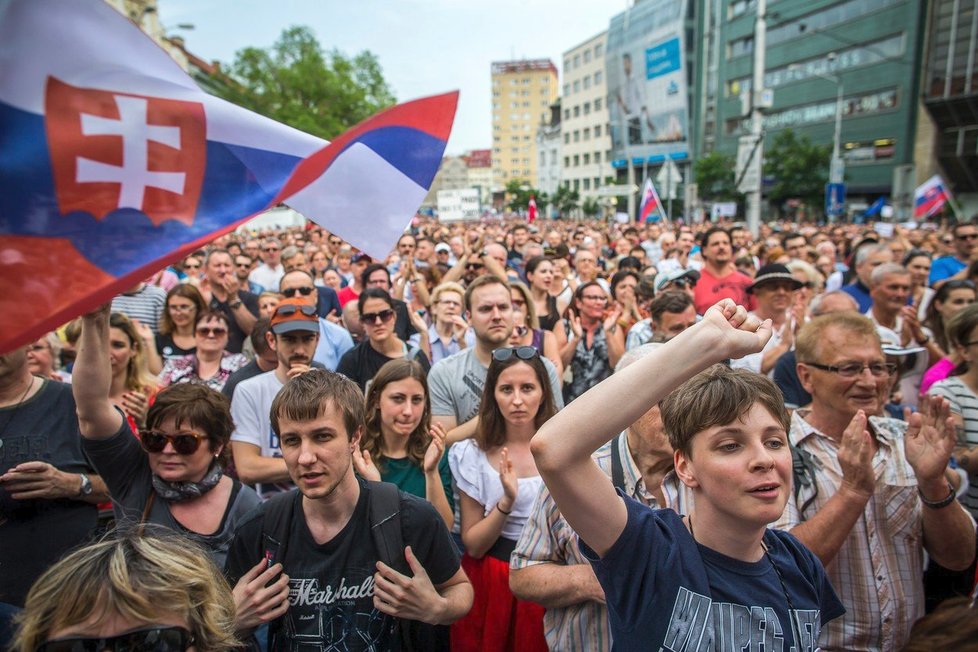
827 530
462 432
554 585
949 533
567 351
458 600
434 493
254 467
244 318
92 378
478 538
616 346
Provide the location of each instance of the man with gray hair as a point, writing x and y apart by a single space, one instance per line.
785 370
547 566
270 272
868 257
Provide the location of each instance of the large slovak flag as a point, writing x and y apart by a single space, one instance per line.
930 197
113 163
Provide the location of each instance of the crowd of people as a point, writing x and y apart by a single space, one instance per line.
506 436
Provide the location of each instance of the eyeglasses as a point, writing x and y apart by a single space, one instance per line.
372 317
185 442
854 369
291 309
157 639
521 352
304 291
594 297
473 266
191 266
180 308
242 264
217 331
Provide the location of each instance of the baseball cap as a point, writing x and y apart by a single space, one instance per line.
295 314
668 277
357 257
442 247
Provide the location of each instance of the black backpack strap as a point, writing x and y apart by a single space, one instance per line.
617 469
384 512
275 525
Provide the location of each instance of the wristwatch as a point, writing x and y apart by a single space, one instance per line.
86 486
234 304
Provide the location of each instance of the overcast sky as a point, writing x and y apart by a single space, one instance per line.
425 47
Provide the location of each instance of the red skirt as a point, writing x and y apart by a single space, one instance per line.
497 622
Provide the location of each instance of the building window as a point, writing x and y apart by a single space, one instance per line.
566 161
597 131
587 184
577 60
597 104
566 114
577 160
577 136
526 80
587 133
577 184
566 139
577 111
526 105
597 157
597 182
597 78
587 159
587 108
598 51
587 56
577 85
566 89
587 82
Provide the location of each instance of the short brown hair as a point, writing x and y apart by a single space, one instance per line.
197 406
716 397
481 282
808 340
671 301
306 396
186 291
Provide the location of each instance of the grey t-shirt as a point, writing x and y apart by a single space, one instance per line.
124 466
456 383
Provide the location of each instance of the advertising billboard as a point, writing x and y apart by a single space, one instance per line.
645 65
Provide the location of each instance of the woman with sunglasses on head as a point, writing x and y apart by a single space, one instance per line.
173 475
951 298
381 345
526 329
210 364
130 591
400 443
498 482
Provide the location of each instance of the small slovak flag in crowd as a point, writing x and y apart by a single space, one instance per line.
650 209
930 197
531 210
114 163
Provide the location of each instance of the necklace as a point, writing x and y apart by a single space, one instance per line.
767 554
17 407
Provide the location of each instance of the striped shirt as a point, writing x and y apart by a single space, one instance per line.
146 305
878 572
547 538
964 402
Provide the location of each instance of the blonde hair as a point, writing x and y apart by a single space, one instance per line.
137 574
138 377
531 310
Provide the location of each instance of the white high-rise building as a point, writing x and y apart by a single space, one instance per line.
586 145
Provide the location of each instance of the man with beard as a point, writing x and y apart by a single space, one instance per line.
254 445
774 292
719 278
455 383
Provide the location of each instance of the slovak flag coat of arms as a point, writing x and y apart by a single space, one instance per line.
113 163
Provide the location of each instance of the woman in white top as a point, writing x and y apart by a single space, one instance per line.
498 483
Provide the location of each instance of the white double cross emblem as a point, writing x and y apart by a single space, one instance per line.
134 175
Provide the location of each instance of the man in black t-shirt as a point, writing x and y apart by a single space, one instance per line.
341 595
48 490
222 291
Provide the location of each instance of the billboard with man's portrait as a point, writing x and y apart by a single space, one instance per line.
645 64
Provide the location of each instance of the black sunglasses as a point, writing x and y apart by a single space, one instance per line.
304 291
372 317
290 309
156 639
521 352
184 443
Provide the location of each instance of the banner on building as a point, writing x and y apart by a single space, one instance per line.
456 205
645 65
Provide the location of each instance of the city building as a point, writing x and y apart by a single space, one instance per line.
549 152
948 127
472 169
586 141
478 163
864 53
522 92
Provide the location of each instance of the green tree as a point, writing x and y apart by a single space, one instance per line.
800 170
519 192
565 200
590 207
298 84
715 176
